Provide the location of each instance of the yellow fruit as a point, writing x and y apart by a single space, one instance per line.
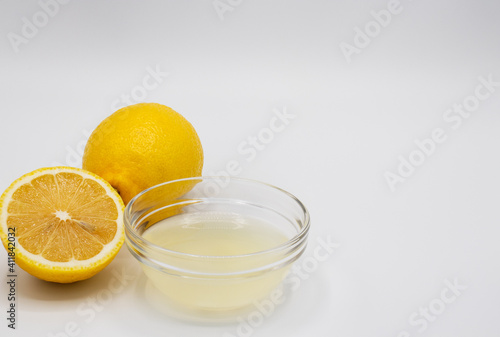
67 223
143 145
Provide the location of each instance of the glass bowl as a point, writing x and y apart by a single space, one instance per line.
216 244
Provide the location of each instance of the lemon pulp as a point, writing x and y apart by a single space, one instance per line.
68 223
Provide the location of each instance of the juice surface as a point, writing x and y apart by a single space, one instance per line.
215 234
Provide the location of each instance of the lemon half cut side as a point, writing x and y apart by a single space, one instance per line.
67 223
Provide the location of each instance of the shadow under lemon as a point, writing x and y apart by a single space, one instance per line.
119 276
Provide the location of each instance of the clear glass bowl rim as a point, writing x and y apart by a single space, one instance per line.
292 243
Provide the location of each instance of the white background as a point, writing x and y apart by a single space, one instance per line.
353 121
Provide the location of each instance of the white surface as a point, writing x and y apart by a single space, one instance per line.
353 121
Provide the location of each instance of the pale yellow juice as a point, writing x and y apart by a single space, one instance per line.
220 281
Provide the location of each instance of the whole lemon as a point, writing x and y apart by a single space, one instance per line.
143 145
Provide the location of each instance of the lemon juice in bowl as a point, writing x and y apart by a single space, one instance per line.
216 249
217 238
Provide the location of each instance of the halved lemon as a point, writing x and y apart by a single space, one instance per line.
67 223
